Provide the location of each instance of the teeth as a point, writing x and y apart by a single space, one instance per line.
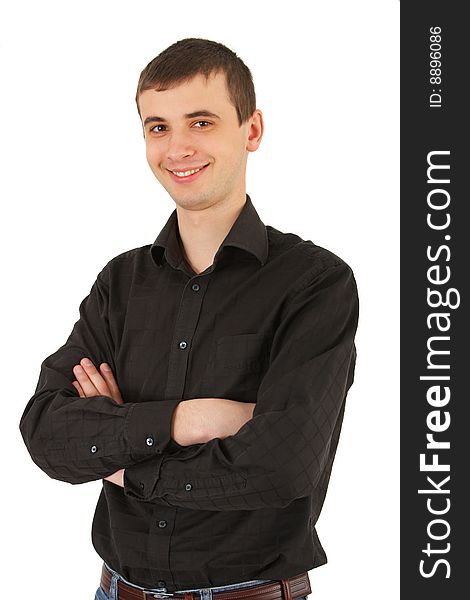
186 173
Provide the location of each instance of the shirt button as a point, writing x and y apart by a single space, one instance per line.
160 584
141 485
93 449
162 523
195 287
188 487
149 441
183 345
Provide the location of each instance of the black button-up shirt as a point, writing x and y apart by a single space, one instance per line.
271 321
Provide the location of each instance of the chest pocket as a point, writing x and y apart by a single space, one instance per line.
247 351
240 363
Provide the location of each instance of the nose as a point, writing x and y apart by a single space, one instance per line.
180 145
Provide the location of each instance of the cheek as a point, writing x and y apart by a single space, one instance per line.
233 159
152 154
233 151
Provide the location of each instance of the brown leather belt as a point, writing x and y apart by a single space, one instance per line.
284 589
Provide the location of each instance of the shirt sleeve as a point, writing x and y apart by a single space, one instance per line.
287 448
76 439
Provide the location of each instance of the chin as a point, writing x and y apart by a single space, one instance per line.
190 202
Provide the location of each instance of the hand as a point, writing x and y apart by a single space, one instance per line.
93 383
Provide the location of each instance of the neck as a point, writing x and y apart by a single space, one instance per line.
203 231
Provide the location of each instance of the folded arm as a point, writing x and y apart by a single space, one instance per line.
199 420
286 450
194 421
91 436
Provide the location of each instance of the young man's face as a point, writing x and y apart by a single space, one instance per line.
179 139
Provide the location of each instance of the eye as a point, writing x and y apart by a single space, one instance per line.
154 129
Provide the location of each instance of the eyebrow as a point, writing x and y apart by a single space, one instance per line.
197 113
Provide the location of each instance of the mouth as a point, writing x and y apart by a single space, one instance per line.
187 176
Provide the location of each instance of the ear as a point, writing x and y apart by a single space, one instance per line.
255 131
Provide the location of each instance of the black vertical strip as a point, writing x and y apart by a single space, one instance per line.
435 235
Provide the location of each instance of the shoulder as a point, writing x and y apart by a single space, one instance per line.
306 259
127 263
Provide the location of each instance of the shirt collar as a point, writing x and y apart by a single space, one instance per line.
247 233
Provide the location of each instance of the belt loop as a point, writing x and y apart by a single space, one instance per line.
113 587
286 591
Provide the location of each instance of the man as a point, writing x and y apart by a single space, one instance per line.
205 380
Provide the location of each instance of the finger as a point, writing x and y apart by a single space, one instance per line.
95 377
84 380
111 381
78 387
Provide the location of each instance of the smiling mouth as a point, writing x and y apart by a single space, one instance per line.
183 174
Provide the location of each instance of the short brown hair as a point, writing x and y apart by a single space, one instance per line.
192 56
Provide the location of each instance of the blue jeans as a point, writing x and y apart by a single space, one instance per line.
205 593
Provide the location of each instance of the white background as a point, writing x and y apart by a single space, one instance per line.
76 191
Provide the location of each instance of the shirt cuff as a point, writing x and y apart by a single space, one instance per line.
140 479
148 427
